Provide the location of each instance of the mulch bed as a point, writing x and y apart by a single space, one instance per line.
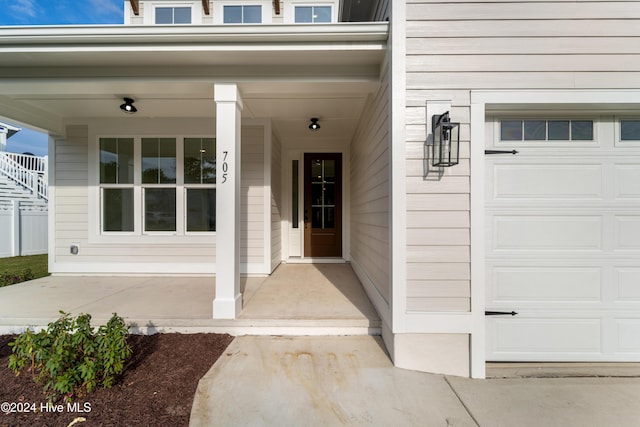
156 389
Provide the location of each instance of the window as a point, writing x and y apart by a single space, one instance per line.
629 130
199 177
242 14
312 14
165 177
159 167
173 15
546 130
116 179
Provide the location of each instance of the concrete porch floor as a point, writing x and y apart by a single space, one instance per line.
297 299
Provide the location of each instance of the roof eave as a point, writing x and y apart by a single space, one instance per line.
137 35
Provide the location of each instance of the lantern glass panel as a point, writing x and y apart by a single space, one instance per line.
446 144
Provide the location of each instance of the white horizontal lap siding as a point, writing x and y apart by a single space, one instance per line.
252 195
71 194
455 47
370 199
276 198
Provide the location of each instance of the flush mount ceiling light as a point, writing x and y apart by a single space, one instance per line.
314 126
128 106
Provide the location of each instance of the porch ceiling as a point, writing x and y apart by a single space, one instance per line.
49 76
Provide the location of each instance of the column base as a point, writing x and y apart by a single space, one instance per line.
227 308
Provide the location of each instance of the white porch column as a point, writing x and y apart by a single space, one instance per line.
228 300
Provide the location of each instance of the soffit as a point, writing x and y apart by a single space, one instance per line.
282 76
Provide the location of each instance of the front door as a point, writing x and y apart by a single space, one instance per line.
323 205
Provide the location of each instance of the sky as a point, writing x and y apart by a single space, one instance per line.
61 12
53 12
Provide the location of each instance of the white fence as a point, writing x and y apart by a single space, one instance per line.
23 229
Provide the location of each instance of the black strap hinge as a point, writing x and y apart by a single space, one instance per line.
500 313
514 152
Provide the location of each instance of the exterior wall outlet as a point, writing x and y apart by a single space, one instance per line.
74 249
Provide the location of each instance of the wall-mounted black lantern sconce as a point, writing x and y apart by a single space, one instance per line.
446 141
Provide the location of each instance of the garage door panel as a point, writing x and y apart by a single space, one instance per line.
550 284
628 334
540 180
627 232
628 284
546 336
547 232
627 181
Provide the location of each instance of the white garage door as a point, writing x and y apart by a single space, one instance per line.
563 239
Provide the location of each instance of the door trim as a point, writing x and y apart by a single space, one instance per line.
293 153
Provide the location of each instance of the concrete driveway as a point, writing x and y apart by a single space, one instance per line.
330 381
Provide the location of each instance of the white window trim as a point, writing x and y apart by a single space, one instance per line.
218 10
290 15
139 235
150 12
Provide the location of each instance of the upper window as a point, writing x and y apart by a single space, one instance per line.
629 130
546 130
242 14
173 15
312 14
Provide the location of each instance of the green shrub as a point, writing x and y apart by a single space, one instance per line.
69 357
7 279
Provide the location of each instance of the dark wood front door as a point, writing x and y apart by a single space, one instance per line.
323 205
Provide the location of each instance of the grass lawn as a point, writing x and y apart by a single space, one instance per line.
16 266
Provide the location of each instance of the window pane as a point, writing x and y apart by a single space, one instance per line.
630 130
535 130
581 130
232 15
316 170
252 14
322 14
117 209
160 209
164 15
329 218
329 170
201 209
199 160
182 15
116 160
558 130
304 14
158 160
511 130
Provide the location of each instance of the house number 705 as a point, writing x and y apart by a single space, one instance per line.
225 167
